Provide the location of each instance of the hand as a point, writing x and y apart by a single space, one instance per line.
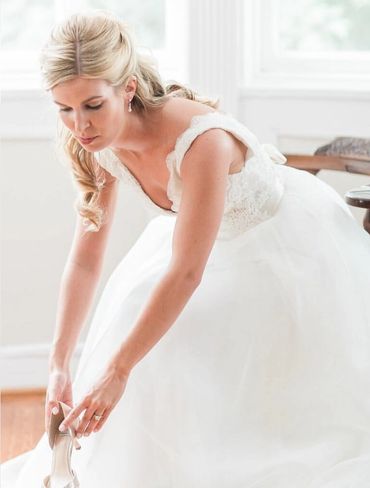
59 388
102 398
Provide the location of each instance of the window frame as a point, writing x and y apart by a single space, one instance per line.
268 70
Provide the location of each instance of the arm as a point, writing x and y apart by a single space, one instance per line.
79 280
204 173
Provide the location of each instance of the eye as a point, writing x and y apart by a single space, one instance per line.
94 107
90 107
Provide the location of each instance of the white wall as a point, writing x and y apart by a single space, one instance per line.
38 219
37 231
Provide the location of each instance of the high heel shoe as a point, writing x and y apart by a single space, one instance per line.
62 475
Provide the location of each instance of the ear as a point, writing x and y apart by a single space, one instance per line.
130 89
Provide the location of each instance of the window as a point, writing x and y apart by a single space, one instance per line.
157 25
314 26
311 43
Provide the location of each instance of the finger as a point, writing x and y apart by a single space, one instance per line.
94 422
46 415
87 417
51 407
53 395
51 401
54 408
102 421
46 412
73 414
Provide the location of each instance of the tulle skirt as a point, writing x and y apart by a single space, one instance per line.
263 380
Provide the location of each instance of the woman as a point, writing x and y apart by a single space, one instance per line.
231 345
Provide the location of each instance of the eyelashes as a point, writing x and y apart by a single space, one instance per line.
95 107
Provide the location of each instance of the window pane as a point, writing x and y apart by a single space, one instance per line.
25 25
324 25
146 18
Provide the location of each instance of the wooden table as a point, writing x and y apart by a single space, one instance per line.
349 154
360 197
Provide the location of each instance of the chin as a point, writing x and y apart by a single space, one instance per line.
94 147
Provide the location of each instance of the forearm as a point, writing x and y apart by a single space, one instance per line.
77 290
164 306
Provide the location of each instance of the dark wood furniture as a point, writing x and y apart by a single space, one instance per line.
350 154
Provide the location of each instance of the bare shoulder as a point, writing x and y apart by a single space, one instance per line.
178 113
177 105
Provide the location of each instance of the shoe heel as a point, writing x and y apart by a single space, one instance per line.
62 475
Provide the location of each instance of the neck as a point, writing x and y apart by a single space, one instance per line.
140 134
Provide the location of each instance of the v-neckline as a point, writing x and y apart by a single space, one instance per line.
168 160
136 183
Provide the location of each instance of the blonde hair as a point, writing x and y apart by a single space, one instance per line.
98 45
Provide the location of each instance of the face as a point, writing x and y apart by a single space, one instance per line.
92 108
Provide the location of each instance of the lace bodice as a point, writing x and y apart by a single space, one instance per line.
253 193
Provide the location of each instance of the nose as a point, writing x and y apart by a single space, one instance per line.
81 123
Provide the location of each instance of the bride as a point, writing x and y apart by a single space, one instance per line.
231 345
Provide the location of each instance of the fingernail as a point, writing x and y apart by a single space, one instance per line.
55 410
62 428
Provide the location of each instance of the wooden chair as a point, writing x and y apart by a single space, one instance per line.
350 154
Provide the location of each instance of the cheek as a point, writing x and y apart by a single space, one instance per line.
113 121
67 120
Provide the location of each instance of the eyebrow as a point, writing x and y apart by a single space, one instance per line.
87 100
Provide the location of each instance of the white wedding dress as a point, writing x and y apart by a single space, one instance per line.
263 381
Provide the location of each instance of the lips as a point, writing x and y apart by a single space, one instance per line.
88 139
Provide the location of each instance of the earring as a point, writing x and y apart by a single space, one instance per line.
129 106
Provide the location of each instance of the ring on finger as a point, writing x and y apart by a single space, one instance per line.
97 417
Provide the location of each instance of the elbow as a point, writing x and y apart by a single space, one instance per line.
194 277
188 275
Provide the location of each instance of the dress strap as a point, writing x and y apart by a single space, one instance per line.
201 123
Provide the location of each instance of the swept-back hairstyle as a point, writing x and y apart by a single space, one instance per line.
98 45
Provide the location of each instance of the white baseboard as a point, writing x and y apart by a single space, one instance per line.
26 366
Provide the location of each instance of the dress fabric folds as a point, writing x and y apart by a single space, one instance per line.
263 381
